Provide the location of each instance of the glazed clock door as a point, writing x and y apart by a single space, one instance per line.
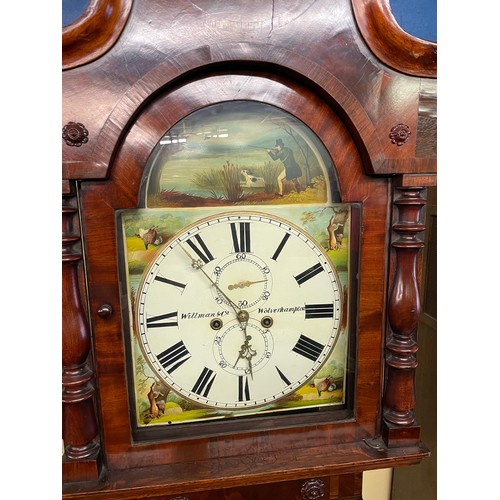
239 269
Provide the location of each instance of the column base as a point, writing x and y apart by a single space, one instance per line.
395 436
87 469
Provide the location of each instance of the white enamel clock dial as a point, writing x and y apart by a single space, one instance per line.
238 310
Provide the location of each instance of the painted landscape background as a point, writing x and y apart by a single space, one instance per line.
218 156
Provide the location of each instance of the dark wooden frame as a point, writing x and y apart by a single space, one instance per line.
383 162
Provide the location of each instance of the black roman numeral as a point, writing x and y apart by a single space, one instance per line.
174 356
200 248
319 311
204 382
282 376
241 238
309 273
243 389
157 321
170 282
308 348
280 246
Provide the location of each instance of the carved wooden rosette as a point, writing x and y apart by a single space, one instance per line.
313 489
79 422
399 428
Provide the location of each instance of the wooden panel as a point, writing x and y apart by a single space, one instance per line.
427 120
238 471
343 487
316 43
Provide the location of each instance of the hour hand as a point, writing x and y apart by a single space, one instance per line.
243 284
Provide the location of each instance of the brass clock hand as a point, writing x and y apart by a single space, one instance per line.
243 284
250 354
197 264
246 352
240 355
241 315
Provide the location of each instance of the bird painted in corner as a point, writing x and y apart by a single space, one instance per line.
150 236
324 384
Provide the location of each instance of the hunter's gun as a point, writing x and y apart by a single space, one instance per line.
264 148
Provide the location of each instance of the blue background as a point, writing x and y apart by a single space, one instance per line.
417 17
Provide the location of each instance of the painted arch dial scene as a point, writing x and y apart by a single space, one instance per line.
238 267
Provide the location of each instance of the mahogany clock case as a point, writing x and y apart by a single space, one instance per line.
122 190
344 71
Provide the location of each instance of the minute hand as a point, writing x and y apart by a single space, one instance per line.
198 265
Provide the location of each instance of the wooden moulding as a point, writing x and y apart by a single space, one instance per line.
95 32
158 482
390 43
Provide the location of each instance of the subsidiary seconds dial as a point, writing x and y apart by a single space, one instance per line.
238 310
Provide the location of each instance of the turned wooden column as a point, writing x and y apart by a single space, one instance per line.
403 311
79 421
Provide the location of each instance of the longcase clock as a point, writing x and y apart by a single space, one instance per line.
243 199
